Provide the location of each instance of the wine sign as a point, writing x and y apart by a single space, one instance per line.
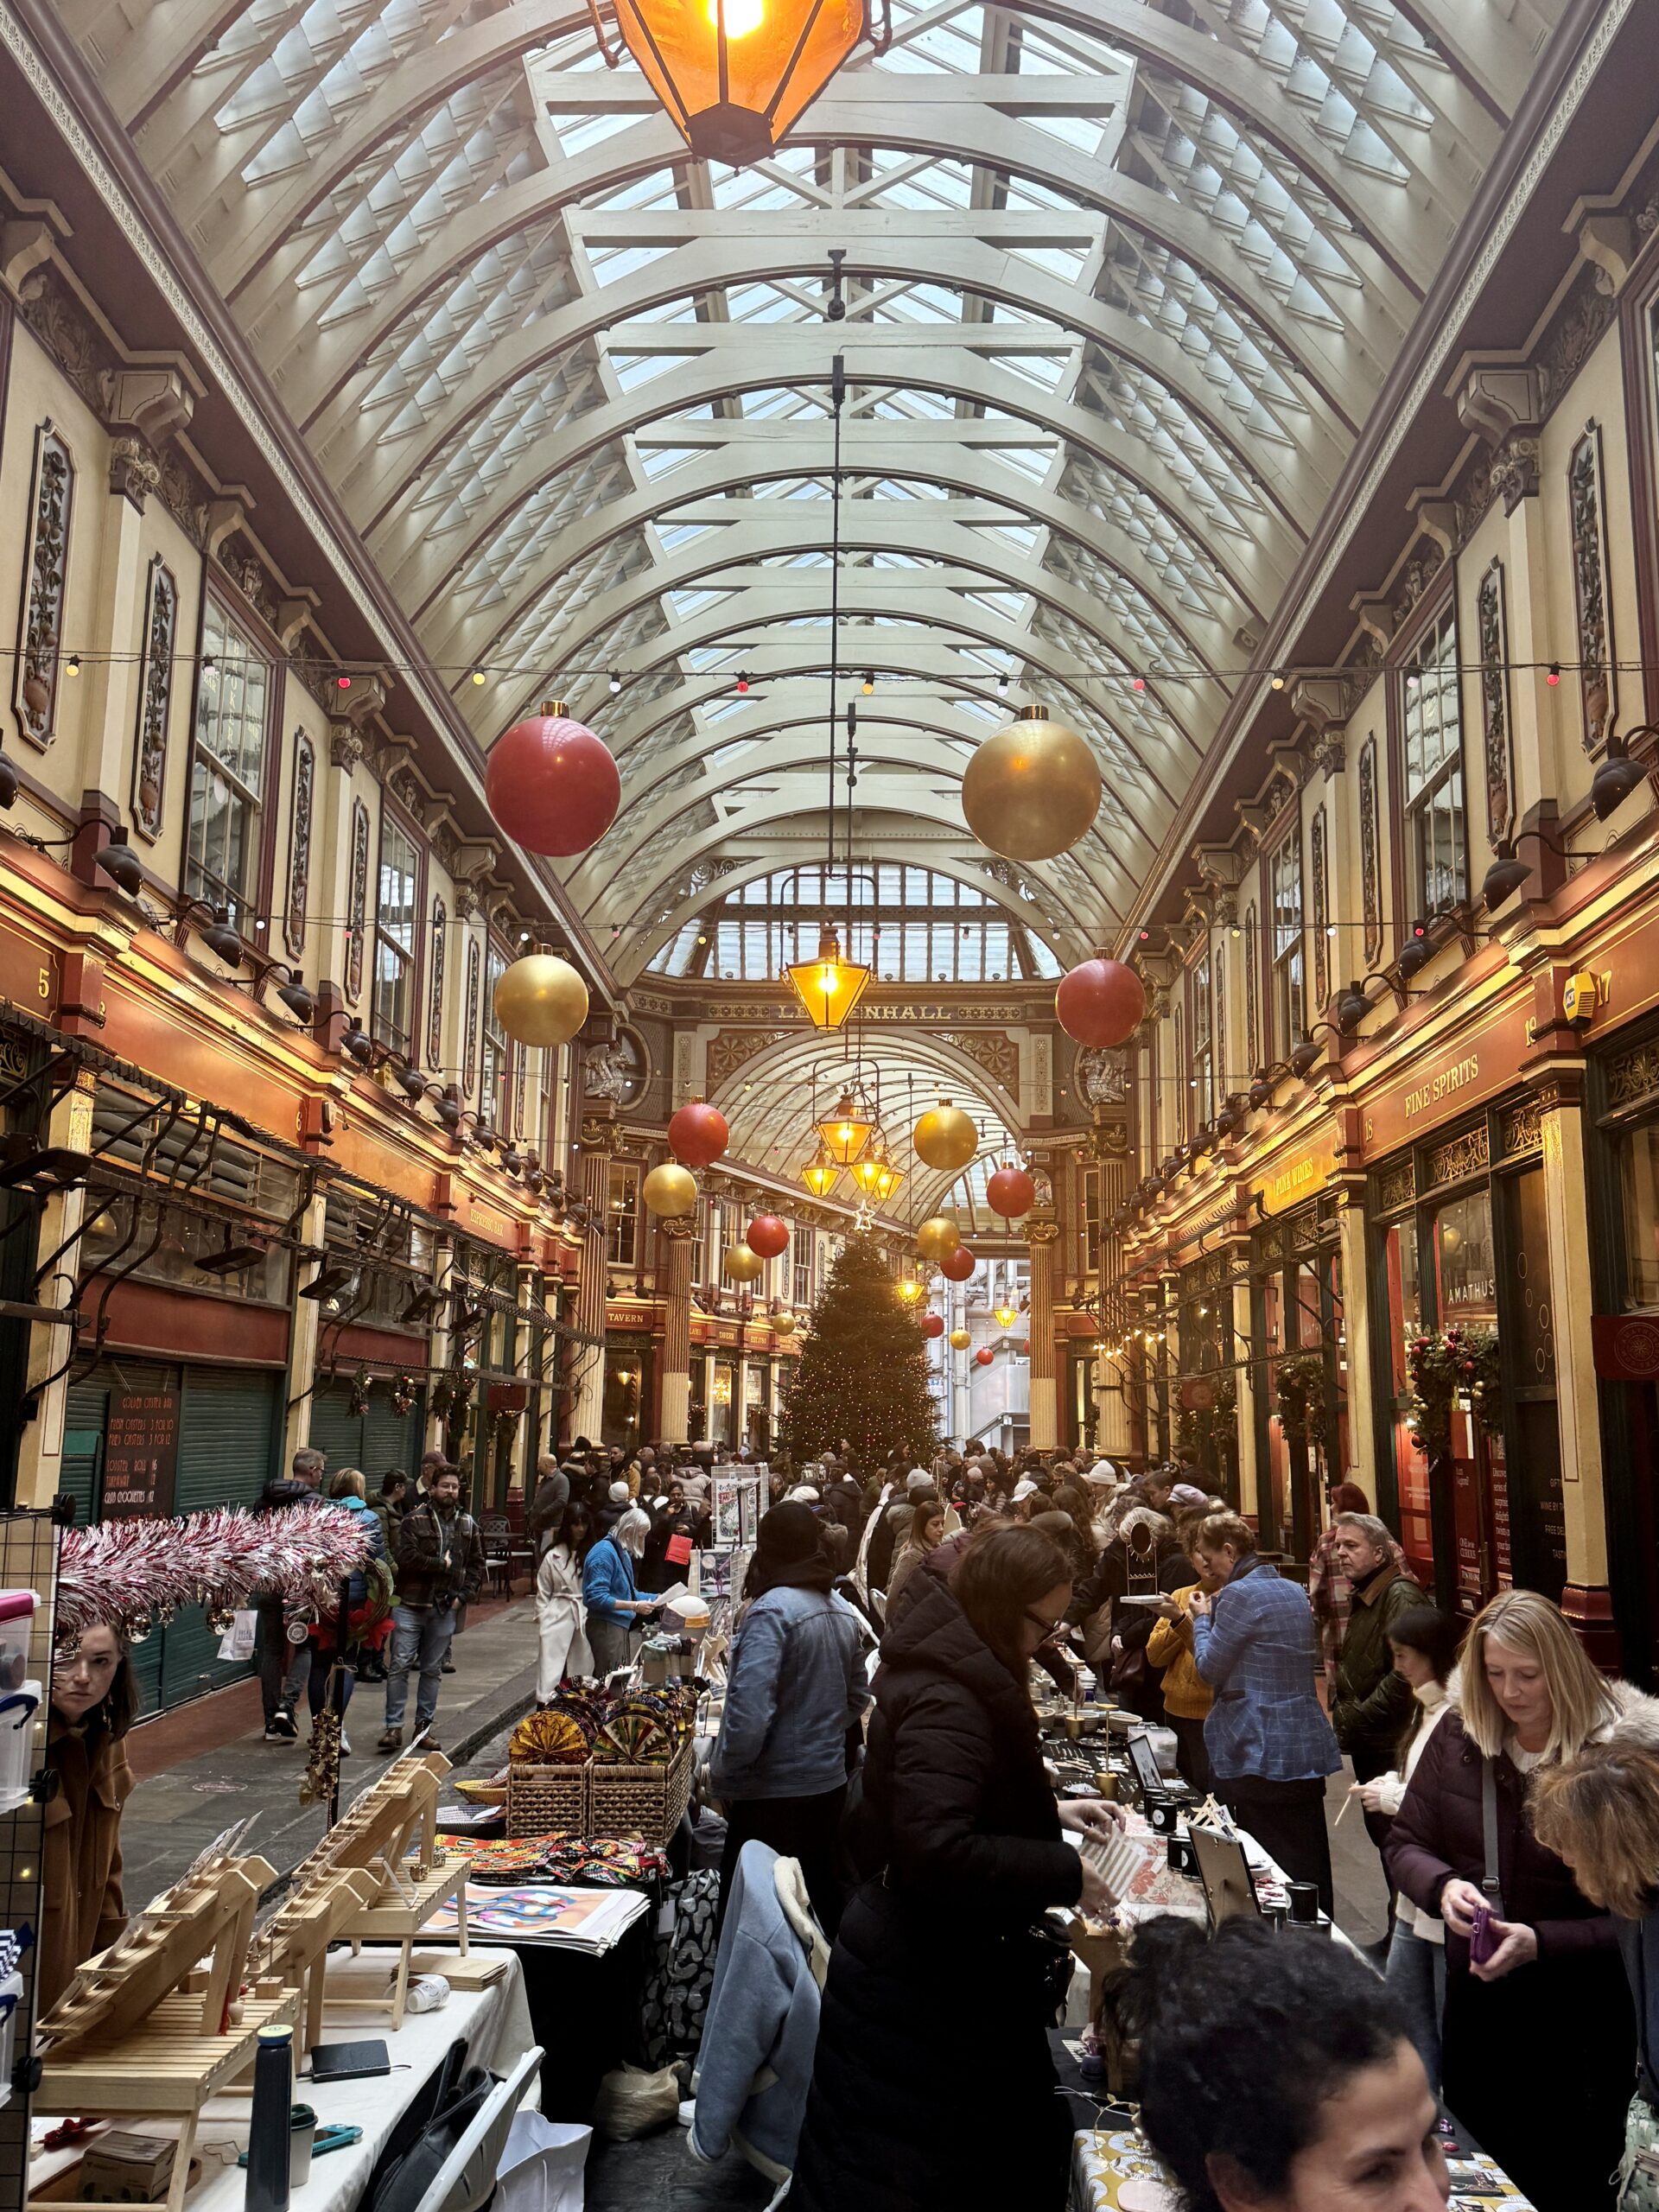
141 1454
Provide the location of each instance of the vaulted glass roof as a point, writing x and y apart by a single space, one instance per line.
1123 281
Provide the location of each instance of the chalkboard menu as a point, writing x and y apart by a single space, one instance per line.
140 1454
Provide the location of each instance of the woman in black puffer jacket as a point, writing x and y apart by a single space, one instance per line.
937 1962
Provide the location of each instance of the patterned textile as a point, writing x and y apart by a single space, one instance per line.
1640 2189
682 1971
571 1861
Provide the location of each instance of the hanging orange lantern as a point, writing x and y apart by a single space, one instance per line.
734 74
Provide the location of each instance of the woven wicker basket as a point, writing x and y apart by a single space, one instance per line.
546 1800
643 1801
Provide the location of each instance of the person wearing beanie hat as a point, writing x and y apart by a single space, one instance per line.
794 1691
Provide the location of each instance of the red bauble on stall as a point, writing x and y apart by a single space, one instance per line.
933 1324
958 1265
1011 1192
1101 1002
767 1236
697 1134
552 784
983 1357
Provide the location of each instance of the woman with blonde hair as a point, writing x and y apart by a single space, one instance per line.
1599 1814
1537 2015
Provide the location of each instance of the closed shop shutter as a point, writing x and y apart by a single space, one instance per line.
229 1431
86 1426
336 1431
390 1439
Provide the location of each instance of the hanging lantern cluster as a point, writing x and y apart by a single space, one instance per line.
827 988
551 785
1101 1002
540 1000
1032 789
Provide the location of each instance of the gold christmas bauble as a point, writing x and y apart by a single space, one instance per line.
1032 790
741 1264
669 1191
938 1238
540 999
960 1340
945 1138
783 1324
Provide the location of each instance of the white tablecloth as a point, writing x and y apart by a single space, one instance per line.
495 2023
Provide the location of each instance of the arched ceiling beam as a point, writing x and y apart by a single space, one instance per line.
962 453
864 594
632 962
1297 478
318 360
920 530
1225 72
928 782
888 807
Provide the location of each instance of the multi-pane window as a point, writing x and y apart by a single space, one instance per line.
227 775
1289 983
394 935
1431 728
801 1292
1203 1062
910 925
622 1213
493 1083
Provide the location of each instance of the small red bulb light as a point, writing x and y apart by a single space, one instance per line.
344 683
742 684
1553 675
1139 684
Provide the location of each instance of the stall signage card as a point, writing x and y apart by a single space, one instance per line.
141 1454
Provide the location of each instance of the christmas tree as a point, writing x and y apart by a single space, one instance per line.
862 1373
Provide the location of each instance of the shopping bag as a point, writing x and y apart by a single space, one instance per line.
237 1642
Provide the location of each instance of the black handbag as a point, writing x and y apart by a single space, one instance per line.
445 2105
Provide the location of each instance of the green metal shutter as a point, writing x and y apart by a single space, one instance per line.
390 1440
85 1424
336 1431
230 1424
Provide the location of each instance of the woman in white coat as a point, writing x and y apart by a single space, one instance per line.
559 1610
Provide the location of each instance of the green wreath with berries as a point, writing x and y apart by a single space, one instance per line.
1443 1365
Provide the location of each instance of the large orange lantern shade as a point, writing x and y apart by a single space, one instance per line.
734 74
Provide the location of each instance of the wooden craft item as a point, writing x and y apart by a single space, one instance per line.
291 1951
397 1916
164 2068
207 1914
464 1975
382 1823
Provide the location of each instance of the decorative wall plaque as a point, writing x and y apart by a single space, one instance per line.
1598 677
469 1034
154 698
1252 1009
1371 883
46 576
1493 623
357 903
434 1016
1317 870
299 845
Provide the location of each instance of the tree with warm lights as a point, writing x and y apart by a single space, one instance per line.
862 1373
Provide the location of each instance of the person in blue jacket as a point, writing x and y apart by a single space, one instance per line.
610 1592
1269 1744
794 1690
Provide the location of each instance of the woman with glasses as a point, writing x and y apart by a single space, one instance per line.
94 1701
931 2084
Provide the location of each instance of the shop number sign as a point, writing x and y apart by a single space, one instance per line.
140 1454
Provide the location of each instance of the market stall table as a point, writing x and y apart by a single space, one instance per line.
1113 2170
493 2021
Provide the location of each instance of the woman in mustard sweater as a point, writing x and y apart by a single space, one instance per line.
1187 1694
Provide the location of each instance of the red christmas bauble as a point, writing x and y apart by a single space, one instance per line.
1101 1002
767 1236
1025 1346
697 1134
959 1264
933 1324
983 1357
1011 1192
552 786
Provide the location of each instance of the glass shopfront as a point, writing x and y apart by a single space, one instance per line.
1622 1100
627 1389
1300 1350
1463 1274
1206 1391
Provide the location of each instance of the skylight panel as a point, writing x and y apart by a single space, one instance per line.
576 133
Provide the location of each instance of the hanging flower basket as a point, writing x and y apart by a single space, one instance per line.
1443 1366
1298 1386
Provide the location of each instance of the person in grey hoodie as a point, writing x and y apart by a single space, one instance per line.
794 1689
755 2064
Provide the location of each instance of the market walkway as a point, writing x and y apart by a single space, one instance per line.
183 1800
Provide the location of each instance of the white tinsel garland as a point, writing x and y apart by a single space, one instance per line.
122 1574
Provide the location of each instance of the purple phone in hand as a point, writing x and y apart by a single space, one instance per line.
1482 1941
